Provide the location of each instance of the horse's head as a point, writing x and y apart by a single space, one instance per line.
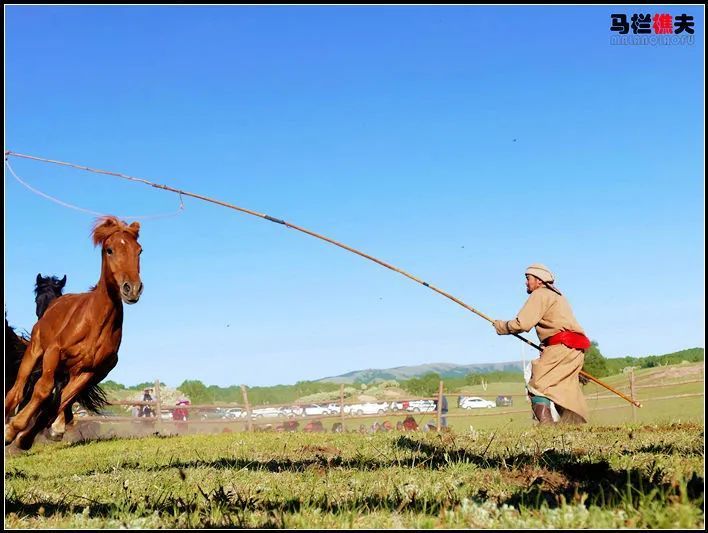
47 289
120 253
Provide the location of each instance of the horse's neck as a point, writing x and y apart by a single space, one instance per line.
106 297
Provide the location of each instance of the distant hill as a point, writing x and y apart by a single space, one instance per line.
448 370
445 370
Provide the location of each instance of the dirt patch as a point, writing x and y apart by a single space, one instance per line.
320 449
542 478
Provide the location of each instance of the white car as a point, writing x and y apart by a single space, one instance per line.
366 408
334 408
291 411
422 406
234 412
313 409
266 412
474 402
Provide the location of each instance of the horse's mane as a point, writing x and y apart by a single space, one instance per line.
107 226
45 284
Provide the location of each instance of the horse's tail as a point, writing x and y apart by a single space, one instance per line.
93 398
15 346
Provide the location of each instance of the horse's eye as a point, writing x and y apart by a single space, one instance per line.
140 252
109 251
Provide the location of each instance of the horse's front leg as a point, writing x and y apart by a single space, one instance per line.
42 390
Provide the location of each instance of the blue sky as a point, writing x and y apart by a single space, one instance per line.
460 144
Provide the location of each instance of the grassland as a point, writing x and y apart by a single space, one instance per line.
489 472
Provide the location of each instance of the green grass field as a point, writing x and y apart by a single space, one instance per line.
503 472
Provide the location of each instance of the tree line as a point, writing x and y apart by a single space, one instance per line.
427 385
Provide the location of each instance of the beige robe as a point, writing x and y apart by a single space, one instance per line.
555 373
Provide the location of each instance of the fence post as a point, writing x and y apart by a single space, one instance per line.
631 394
158 406
440 394
249 425
341 404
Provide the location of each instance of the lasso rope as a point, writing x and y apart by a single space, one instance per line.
82 209
313 234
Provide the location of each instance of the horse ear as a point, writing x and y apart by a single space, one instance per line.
39 278
135 227
62 282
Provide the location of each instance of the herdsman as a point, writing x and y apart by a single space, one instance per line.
555 373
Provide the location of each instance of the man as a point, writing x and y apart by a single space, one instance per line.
443 412
555 373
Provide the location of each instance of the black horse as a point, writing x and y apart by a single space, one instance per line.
46 290
93 398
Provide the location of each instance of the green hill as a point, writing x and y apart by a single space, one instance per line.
400 373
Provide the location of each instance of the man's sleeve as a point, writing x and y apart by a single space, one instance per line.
530 315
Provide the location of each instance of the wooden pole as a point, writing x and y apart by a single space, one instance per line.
158 406
341 404
631 394
440 396
249 425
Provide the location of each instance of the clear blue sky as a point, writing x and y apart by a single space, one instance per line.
458 143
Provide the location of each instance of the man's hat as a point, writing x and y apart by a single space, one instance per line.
540 271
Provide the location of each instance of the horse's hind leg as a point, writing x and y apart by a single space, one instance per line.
58 427
42 390
29 360
68 395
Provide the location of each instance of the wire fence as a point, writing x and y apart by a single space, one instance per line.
287 416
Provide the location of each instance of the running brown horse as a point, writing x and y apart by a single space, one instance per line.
93 398
78 336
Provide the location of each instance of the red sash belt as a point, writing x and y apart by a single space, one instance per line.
571 339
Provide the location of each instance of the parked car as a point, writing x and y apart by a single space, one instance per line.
366 408
474 402
398 405
334 408
291 411
313 409
233 413
504 401
266 412
422 406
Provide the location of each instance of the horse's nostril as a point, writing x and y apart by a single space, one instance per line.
126 288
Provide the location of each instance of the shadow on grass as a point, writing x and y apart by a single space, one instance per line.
545 479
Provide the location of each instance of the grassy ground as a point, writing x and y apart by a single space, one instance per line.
489 472
644 476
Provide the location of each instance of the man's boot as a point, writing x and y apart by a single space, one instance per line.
542 412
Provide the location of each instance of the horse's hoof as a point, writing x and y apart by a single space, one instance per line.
9 435
24 441
53 435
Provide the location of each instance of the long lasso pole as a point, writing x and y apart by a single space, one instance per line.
308 232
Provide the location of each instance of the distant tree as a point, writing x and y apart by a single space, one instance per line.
595 364
426 385
196 390
144 385
111 385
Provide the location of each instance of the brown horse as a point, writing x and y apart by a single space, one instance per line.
93 398
78 336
